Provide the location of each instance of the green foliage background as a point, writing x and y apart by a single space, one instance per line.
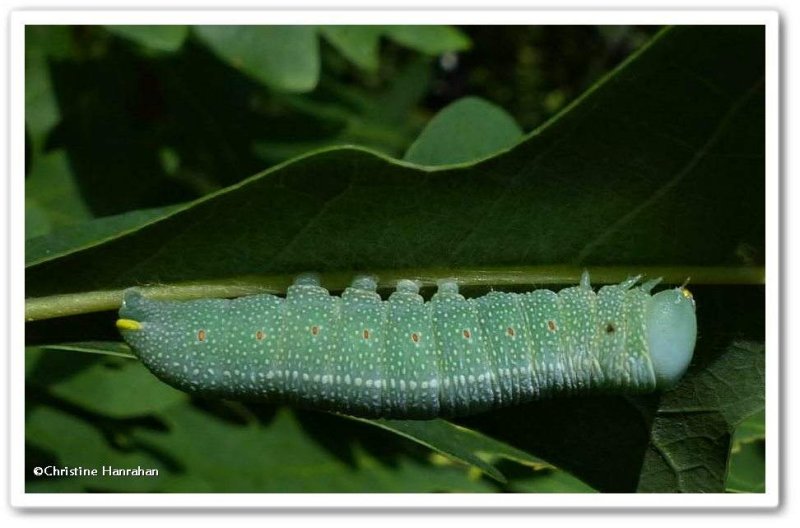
225 159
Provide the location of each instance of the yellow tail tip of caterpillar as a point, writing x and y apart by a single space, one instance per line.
128 324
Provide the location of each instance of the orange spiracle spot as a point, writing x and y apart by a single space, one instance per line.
259 335
315 330
415 337
366 334
551 325
467 334
510 332
201 335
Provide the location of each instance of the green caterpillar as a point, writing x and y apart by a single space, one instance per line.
406 358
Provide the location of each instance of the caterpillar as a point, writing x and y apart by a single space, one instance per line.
407 358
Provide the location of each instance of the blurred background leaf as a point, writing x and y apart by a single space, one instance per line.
752 429
432 40
161 38
467 130
359 44
140 142
42 45
285 58
747 465
52 199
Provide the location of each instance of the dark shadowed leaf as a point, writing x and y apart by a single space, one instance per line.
112 386
289 460
51 189
643 166
692 428
42 44
110 131
78 444
459 443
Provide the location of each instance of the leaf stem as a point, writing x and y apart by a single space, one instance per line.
63 305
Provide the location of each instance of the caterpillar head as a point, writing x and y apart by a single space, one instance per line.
671 334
